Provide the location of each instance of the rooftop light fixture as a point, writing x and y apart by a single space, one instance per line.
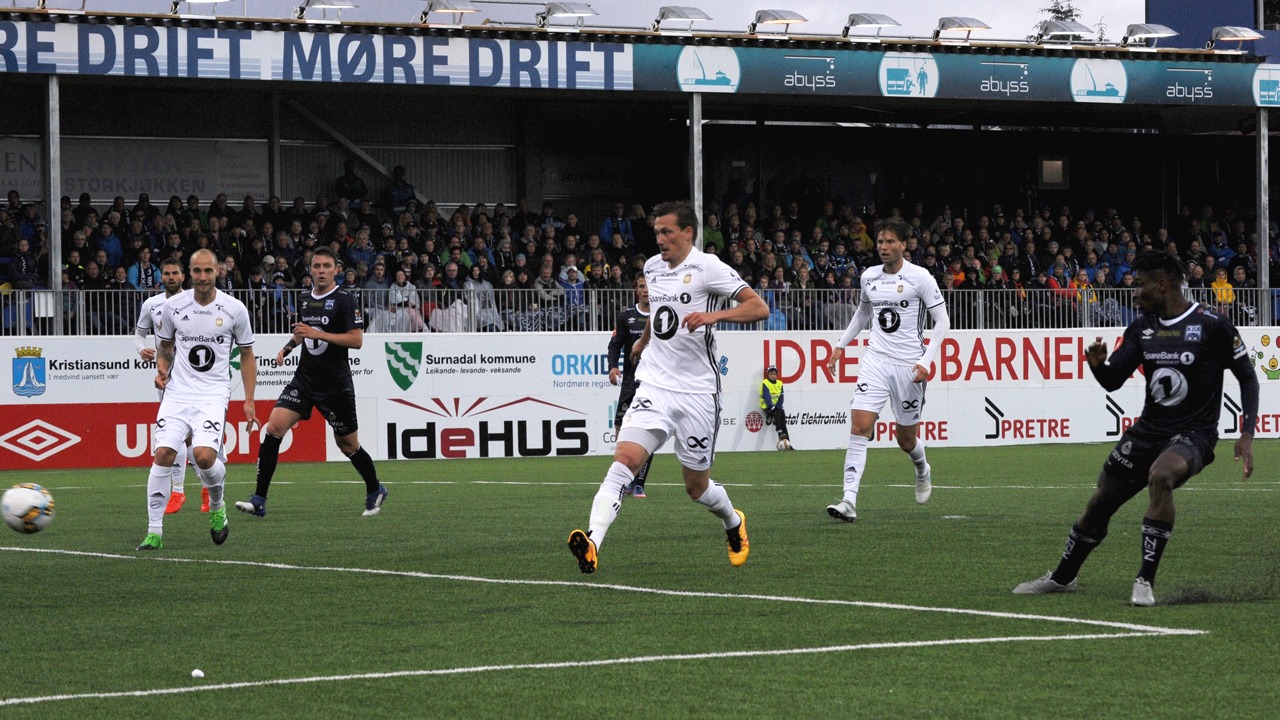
775 17
324 6
1233 33
678 12
581 11
961 24
869 20
457 7
1145 31
173 8
1065 29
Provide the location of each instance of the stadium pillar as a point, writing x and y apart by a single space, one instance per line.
1264 217
695 156
275 144
53 194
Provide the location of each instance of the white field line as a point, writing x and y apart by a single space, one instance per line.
1132 627
572 664
726 484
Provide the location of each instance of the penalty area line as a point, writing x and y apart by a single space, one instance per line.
572 664
1132 627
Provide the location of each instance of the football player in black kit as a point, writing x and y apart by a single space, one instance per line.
630 327
331 324
1183 349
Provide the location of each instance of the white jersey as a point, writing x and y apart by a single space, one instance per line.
203 336
899 303
149 315
675 358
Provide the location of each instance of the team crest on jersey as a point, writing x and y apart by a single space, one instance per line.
899 288
1193 333
328 304
687 278
218 322
1127 447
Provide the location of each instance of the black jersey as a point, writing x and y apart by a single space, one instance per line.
1182 362
627 331
324 365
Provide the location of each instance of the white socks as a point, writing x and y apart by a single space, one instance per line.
917 457
157 497
608 501
855 461
214 479
180 469
717 501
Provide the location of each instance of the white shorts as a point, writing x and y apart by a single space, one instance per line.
693 418
205 423
880 382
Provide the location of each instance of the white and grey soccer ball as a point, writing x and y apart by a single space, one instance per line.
784 444
27 508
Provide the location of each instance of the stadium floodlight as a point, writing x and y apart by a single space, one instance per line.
1233 33
581 11
678 12
173 9
1145 31
869 20
325 6
457 7
775 17
960 24
1061 29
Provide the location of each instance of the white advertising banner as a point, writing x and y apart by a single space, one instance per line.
528 395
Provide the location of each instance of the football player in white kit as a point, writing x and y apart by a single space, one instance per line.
679 393
193 366
171 278
895 366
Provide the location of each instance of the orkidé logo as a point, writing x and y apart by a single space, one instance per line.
754 421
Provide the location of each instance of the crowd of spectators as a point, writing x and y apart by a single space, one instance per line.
425 267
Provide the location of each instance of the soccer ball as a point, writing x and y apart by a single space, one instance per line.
784 445
27 508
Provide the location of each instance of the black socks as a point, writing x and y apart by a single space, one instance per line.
364 466
1155 535
268 454
1077 550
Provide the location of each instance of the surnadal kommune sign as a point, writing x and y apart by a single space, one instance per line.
82 48
89 402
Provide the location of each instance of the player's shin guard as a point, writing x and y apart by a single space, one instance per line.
1074 554
917 457
180 470
364 466
608 501
1155 535
214 479
855 461
717 501
158 483
268 454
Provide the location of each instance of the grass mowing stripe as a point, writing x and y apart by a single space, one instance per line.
1151 629
577 664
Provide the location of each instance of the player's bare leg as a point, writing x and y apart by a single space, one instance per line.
705 491
861 426
911 444
278 424
375 492
628 458
1168 472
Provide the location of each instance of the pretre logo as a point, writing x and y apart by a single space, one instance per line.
404 359
1025 428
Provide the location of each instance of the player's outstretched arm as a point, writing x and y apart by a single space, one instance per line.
1112 373
249 374
1248 379
750 309
861 319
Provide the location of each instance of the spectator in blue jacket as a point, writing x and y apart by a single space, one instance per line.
143 274
27 222
618 224
362 251
107 240
398 192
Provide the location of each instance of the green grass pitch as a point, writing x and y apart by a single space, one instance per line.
86 624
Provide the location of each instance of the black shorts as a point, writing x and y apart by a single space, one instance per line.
1132 457
624 404
338 407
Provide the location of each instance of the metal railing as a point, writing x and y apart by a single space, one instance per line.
115 312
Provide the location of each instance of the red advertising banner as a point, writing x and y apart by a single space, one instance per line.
38 437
